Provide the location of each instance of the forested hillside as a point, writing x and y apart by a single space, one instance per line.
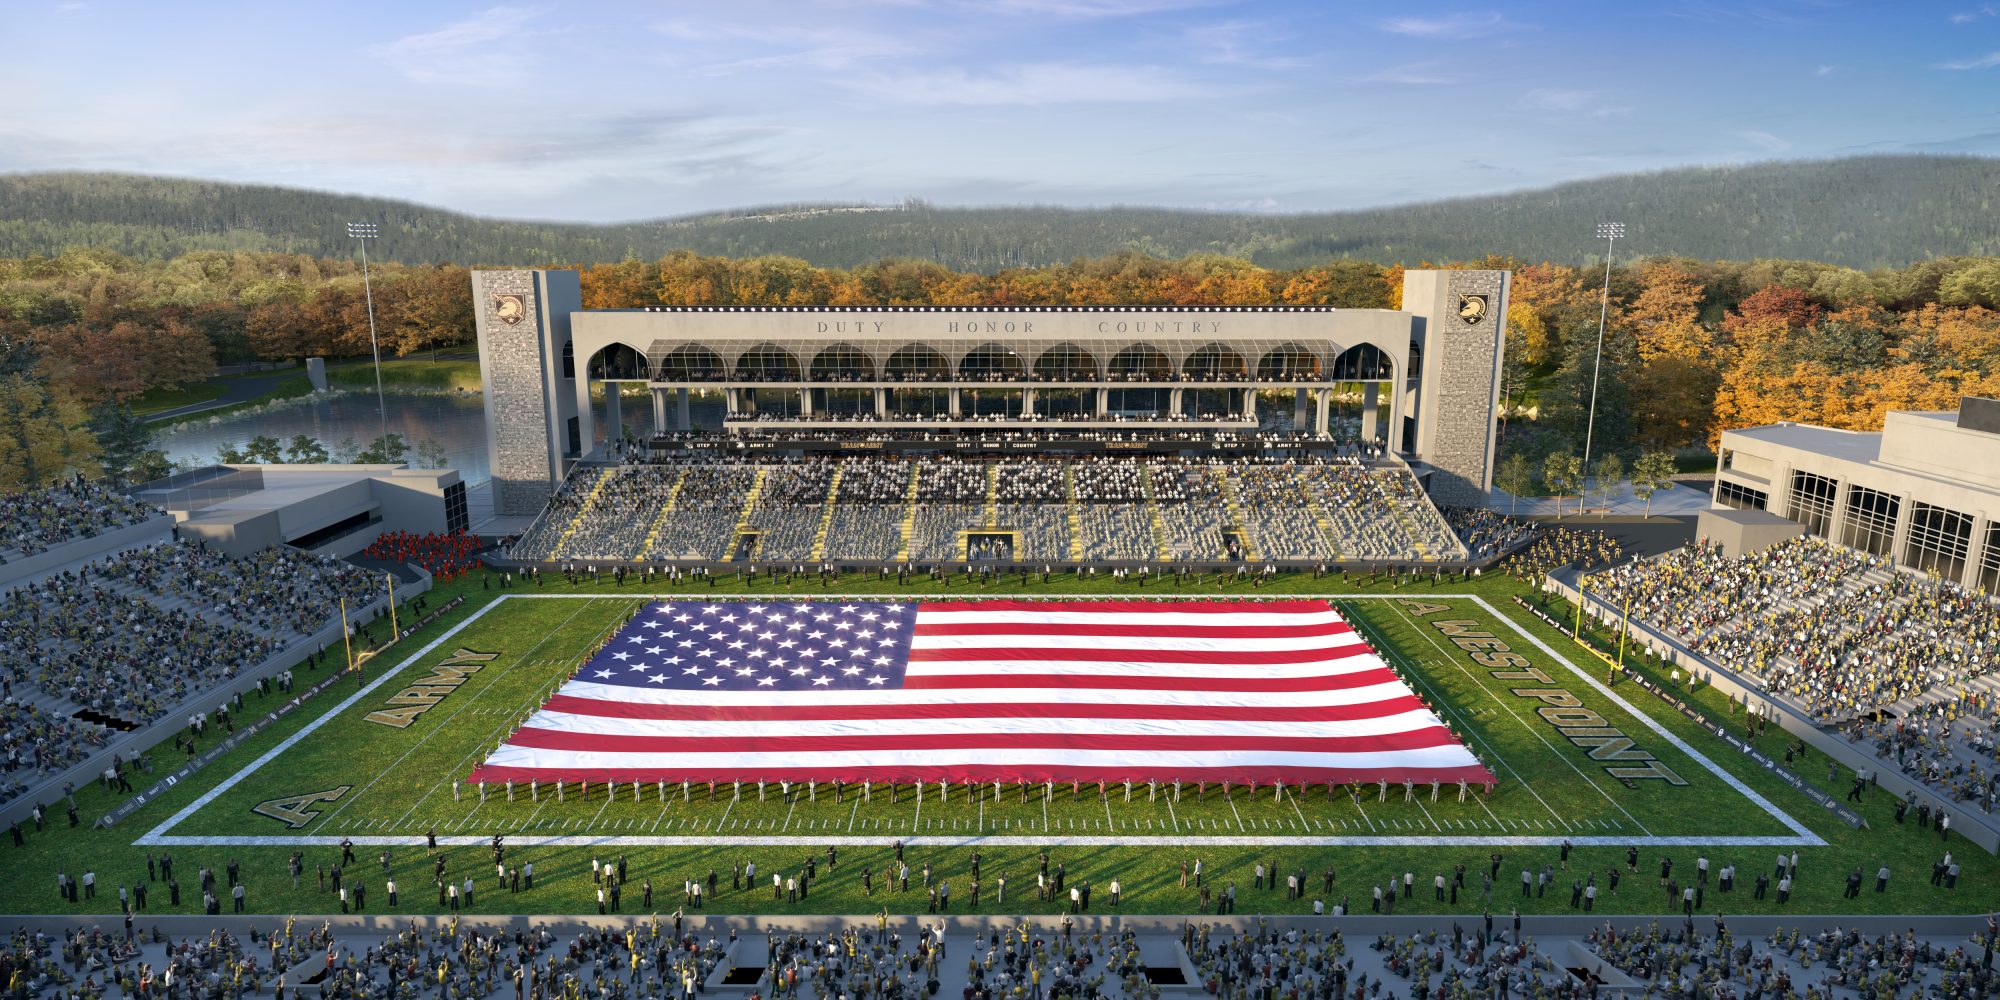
1867 212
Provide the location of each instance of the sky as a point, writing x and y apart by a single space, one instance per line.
623 109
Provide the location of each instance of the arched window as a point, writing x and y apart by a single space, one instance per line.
842 362
1288 362
1213 363
1141 363
1066 362
917 363
1364 363
767 362
618 361
992 362
691 363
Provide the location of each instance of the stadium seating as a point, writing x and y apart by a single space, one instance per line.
1838 630
1042 510
38 520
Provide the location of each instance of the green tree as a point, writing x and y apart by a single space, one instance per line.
1608 471
431 454
262 449
228 454
1652 473
44 435
1565 401
125 443
1515 476
304 450
384 450
1562 474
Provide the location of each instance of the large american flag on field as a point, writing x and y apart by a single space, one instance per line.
1277 691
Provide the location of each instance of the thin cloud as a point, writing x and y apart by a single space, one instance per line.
1088 10
1240 43
1987 61
1463 25
1824 70
1975 14
1034 84
479 49
1412 75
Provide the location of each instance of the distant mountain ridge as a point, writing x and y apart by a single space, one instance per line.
1873 211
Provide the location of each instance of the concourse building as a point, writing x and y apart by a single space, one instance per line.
1924 492
562 382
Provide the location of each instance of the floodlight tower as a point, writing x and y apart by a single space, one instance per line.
1609 232
361 233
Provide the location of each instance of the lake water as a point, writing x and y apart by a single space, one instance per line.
458 422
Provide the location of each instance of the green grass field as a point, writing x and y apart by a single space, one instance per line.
326 772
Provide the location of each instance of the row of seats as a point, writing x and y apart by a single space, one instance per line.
941 509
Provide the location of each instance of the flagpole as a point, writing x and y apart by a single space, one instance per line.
394 631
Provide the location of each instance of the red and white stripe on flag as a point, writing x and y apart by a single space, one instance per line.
1265 692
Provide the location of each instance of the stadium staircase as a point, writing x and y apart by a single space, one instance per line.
660 519
750 504
826 519
583 510
1153 515
910 512
1075 519
1233 503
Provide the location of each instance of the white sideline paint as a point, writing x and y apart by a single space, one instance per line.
1811 839
159 835
586 840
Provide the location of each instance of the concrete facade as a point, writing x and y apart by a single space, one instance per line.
523 322
1439 357
334 510
1924 491
1461 327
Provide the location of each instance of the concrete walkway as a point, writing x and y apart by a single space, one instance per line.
1675 499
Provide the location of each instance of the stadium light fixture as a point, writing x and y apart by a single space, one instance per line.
1610 233
361 233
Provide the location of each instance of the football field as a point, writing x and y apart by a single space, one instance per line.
1574 761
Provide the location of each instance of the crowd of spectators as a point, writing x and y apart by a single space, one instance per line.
78 639
445 555
279 591
35 521
1951 745
1039 510
1840 632
39 743
1685 963
1487 533
1557 547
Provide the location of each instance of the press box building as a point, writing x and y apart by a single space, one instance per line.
1924 491
1430 372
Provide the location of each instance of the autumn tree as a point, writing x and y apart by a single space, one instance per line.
44 437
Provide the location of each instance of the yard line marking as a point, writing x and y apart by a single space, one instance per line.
725 809
1417 627
456 712
1661 730
1301 813
309 728
1356 798
1108 824
507 726
856 811
1238 815
788 814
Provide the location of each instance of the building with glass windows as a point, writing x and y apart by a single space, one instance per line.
1923 492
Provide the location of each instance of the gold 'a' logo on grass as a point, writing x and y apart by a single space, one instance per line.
296 810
